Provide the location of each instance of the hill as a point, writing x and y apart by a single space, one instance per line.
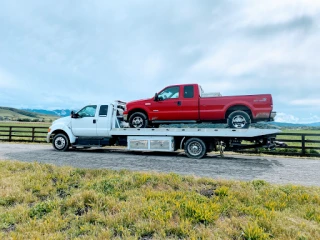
294 125
57 112
13 114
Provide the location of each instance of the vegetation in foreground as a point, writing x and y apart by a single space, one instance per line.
39 201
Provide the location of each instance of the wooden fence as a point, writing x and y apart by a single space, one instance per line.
295 144
23 133
302 144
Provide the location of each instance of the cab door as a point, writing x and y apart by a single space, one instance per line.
167 107
104 121
189 103
175 103
84 122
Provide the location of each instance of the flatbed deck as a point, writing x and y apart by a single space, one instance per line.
194 132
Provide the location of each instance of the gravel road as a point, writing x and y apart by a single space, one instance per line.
302 171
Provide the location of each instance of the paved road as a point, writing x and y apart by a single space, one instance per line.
238 167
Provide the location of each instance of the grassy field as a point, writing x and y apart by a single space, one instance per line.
39 201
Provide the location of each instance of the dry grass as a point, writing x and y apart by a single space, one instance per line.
39 201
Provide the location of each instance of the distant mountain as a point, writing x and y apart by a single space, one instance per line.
283 124
13 114
57 112
317 124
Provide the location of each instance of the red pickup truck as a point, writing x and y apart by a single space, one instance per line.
187 103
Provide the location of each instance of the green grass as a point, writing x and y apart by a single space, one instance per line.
39 201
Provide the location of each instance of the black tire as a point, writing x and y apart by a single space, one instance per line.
239 119
138 120
195 148
61 142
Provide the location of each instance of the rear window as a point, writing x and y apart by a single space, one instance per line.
188 92
103 110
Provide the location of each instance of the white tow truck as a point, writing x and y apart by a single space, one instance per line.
102 125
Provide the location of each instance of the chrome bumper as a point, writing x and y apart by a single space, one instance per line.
272 116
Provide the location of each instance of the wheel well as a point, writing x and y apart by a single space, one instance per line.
238 107
58 132
137 110
209 142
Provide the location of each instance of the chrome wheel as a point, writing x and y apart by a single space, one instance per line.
60 142
194 148
239 121
137 122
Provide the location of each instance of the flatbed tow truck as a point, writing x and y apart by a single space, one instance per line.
102 125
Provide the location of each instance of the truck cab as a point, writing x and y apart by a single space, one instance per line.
89 126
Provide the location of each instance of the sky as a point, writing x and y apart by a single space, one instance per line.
67 54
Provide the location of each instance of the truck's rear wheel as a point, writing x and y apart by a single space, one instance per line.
61 142
138 120
239 119
195 148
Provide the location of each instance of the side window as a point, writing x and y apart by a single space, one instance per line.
171 92
103 110
188 92
88 111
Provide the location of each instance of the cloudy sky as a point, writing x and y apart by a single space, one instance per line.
66 54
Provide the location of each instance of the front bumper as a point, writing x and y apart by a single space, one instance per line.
125 117
48 138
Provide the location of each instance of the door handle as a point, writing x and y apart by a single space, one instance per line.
179 103
94 120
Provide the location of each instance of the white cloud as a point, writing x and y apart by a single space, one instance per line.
307 102
259 13
283 117
288 118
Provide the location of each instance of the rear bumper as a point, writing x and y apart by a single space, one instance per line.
272 116
265 117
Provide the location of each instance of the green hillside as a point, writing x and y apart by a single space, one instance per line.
13 114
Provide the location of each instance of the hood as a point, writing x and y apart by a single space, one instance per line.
65 120
140 100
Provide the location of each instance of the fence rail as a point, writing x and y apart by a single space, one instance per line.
295 144
23 133
302 144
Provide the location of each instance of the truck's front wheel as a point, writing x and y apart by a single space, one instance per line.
239 119
60 142
195 148
138 120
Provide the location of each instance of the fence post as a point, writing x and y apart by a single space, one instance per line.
32 138
303 144
10 133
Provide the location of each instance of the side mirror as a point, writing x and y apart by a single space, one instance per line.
156 98
74 115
